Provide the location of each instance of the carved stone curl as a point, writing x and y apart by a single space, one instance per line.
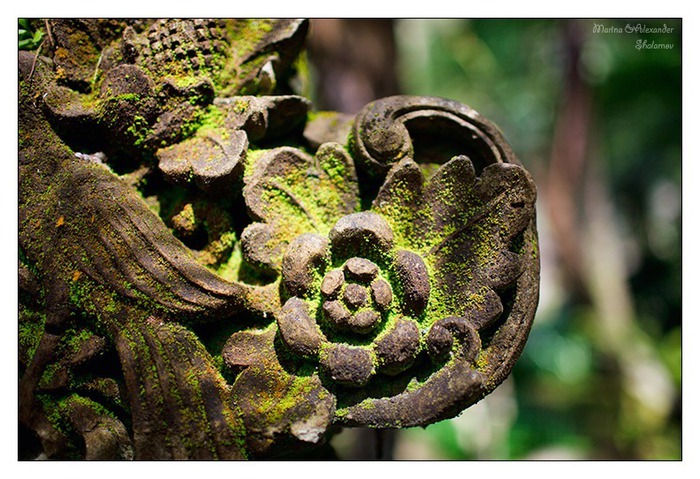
196 290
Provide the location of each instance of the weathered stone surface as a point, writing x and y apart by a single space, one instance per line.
278 186
439 341
355 296
213 162
364 321
397 350
361 269
403 191
382 136
298 330
102 251
303 256
381 293
347 365
127 293
461 330
328 127
282 412
415 281
337 314
264 118
79 42
253 245
363 231
125 79
332 283
106 438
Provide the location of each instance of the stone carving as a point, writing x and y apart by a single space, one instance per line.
208 270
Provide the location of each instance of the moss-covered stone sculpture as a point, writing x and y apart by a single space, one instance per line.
209 270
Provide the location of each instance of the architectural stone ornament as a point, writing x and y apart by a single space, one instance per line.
210 269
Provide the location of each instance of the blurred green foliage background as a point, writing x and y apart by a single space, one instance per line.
596 118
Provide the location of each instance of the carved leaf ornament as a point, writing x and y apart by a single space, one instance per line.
384 273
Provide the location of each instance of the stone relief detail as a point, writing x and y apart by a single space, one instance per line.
209 269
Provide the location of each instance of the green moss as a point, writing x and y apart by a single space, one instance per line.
58 411
213 120
55 412
306 198
95 407
244 36
207 120
73 340
275 406
482 360
367 404
231 268
341 413
31 328
139 130
49 374
414 385
128 97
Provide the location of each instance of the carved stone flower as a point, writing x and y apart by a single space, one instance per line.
408 307
362 317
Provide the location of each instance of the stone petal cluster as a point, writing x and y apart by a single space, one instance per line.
353 300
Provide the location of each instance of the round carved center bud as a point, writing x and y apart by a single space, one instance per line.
361 269
332 282
355 296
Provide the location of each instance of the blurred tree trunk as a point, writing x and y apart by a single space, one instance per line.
587 234
569 150
354 62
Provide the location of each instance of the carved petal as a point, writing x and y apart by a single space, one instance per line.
253 246
400 199
449 191
347 365
361 269
414 280
332 283
212 161
364 321
295 193
305 260
398 348
298 329
277 407
382 294
363 232
473 252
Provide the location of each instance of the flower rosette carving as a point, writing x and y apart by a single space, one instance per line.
362 319
409 308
